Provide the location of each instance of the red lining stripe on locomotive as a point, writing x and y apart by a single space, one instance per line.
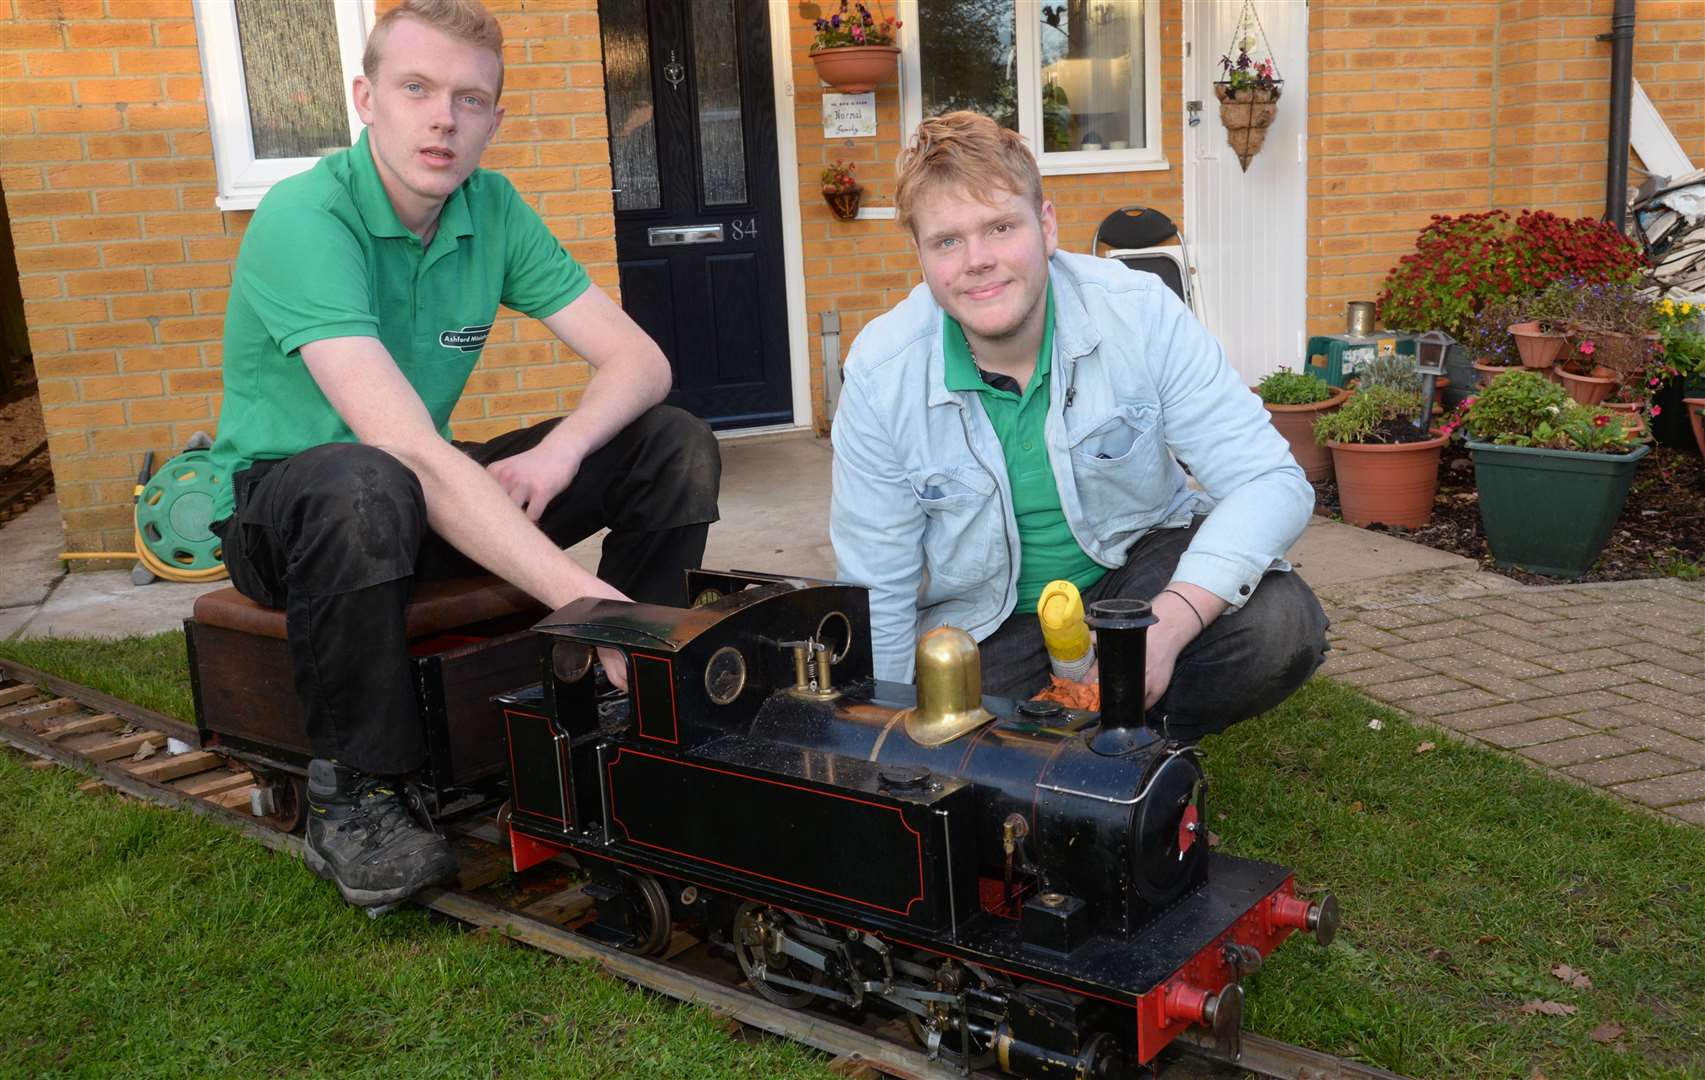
609 770
508 715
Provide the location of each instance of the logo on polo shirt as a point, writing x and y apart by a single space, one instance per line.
467 339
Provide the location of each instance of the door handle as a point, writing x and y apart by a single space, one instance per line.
667 236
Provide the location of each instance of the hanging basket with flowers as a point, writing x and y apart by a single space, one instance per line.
841 189
853 50
1249 93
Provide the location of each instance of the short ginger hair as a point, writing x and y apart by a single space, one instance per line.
464 20
964 149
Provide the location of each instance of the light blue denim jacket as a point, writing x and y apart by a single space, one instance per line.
922 512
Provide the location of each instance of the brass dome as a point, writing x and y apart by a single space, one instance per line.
950 688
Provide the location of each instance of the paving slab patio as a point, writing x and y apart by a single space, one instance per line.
1602 683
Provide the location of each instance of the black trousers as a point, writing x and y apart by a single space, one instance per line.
1246 662
337 536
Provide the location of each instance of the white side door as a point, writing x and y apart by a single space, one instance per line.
1248 230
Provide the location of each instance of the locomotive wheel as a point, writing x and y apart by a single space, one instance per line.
504 813
1101 1058
754 935
939 1032
289 800
648 909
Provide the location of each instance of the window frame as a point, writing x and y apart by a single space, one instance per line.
242 178
1027 42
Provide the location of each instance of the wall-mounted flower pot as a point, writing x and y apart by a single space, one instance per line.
1591 388
1539 349
844 203
1550 511
1296 424
1388 484
856 69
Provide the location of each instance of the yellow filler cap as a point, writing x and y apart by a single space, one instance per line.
1060 610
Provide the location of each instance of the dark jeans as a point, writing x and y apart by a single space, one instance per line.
1246 662
337 536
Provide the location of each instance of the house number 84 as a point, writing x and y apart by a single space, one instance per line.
745 230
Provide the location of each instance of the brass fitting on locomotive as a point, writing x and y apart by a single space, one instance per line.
950 688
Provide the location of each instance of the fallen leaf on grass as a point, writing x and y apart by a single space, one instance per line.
1357 807
1576 979
1376 725
1487 939
1213 839
1424 747
145 751
1441 956
1548 1008
1606 1032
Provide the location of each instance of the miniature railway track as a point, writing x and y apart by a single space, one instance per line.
125 748
24 482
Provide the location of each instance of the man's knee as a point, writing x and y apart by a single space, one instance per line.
691 459
357 511
1291 628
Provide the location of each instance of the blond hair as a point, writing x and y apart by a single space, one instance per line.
464 20
968 150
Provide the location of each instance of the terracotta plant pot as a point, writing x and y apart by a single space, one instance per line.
856 68
1632 416
1539 349
1588 389
1485 371
1388 484
1296 424
844 203
1696 417
1246 115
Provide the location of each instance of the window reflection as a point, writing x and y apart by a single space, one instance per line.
1092 75
293 74
722 140
966 58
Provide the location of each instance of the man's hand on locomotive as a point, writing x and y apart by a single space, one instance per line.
1182 617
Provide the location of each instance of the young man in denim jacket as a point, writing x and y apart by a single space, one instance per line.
1015 420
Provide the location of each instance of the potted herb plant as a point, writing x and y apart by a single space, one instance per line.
853 50
1552 474
1294 401
1387 465
1249 100
841 189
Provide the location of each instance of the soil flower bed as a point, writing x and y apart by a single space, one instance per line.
1661 532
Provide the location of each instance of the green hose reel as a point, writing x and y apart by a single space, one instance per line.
174 516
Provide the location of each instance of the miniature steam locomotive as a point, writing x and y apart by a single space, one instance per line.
1031 887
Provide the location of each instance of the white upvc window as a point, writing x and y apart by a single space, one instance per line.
1079 79
277 75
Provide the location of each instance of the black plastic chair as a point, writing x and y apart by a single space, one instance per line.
1145 239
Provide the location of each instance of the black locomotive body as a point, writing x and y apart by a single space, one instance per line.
1030 886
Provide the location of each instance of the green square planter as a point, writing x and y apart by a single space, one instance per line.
1550 511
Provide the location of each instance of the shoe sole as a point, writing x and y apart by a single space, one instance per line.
368 898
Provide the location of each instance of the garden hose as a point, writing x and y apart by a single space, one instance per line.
173 535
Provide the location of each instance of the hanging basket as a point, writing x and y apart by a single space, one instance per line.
856 69
1246 115
843 203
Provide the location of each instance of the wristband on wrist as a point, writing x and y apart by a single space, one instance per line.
1199 621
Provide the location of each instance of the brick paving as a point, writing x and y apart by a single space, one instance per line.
1601 683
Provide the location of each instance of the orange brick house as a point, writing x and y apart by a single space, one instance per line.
675 145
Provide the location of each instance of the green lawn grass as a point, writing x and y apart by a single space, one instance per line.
141 940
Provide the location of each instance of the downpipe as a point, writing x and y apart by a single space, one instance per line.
829 339
1621 37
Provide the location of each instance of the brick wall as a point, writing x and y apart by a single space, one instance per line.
1421 107
863 268
124 261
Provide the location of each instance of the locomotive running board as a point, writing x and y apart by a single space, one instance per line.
851 1047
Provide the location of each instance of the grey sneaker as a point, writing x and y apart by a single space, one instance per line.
364 835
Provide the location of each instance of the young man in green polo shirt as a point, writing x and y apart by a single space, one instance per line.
363 293
1020 418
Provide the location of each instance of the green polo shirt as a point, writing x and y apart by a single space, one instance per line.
1047 549
325 256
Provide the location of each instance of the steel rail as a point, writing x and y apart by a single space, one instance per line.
850 1045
